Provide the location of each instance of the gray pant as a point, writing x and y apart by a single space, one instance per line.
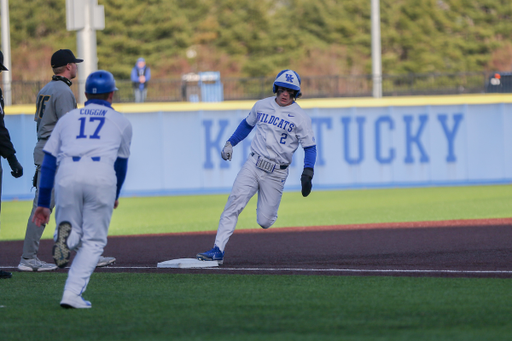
140 95
34 233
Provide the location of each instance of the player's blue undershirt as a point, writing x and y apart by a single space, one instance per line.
48 169
241 132
120 166
244 129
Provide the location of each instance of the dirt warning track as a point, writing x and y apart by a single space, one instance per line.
467 248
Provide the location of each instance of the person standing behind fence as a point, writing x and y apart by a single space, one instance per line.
6 150
141 74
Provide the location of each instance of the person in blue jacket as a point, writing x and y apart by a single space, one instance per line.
141 74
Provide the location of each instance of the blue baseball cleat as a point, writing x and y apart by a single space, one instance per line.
213 254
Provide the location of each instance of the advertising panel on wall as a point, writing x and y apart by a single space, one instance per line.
360 144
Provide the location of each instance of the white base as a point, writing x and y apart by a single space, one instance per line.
187 263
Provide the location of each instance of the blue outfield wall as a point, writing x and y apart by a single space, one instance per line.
178 152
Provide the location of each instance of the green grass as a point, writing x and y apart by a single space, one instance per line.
148 215
209 306
257 307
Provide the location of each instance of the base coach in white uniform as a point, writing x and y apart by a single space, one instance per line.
91 147
281 125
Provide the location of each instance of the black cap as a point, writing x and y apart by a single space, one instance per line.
2 67
64 57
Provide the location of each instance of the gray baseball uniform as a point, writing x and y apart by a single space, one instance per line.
53 101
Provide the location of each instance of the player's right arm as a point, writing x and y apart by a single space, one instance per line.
241 132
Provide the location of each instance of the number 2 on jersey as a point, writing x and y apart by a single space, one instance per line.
96 132
283 138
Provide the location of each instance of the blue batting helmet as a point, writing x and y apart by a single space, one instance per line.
288 79
100 82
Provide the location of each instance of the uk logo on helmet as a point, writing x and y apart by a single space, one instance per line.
289 78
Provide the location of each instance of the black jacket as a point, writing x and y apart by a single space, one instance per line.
6 147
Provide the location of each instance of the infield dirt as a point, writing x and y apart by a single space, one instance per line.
454 248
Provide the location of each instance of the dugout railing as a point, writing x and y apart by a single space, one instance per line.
176 90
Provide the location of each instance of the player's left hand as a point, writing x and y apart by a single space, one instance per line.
116 203
17 169
305 181
41 216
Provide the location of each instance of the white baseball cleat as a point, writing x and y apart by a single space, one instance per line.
35 264
70 300
104 261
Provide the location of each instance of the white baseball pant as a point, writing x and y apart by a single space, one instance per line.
85 192
250 180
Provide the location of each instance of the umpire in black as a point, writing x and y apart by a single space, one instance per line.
6 150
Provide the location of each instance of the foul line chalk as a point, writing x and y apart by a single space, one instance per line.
426 271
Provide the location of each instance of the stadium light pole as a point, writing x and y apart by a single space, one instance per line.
6 49
376 50
85 17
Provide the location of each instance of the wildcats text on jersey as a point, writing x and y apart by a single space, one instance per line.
276 121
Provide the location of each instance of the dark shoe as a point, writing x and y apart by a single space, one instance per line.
61 252
5 274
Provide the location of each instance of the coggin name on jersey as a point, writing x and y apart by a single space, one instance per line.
93 112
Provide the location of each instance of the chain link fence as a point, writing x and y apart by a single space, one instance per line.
177 90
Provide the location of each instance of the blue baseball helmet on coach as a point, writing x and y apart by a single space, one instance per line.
100 82
288 79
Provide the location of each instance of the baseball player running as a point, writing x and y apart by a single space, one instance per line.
281 125
90 147
54 100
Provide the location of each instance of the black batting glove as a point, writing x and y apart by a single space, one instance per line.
305 180
17 170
